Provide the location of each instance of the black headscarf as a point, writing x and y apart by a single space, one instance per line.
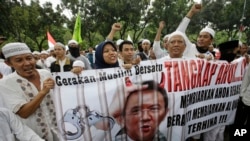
99 60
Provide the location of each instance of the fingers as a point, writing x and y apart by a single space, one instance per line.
49 83
127 66
116 26
76 70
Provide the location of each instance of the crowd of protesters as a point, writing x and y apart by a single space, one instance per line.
26 79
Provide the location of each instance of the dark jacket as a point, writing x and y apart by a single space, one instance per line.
55 67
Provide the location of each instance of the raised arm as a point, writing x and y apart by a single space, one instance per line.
159 30
115 27
186 20
157 44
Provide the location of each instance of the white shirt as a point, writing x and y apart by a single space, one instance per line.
190 50
245 88
49 60
17 91
62 63
4 68
11 127
159 52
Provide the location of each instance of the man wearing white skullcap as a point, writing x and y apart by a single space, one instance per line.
176 45
200 50
78 66
27 91
204 39
63 63
42 61
144 55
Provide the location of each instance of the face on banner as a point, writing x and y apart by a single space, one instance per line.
143 113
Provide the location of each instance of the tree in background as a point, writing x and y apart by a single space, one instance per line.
29 23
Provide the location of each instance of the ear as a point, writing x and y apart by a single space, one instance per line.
166 112
8 63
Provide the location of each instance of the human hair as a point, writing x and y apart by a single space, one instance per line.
151 85
123 43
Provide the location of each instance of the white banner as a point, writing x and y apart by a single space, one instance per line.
201 95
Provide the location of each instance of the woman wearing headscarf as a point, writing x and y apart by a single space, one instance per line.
106 55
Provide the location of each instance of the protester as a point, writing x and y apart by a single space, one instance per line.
27 91
159 52
140 120
74 53
106 55
139 46
62 63
126 49
78 66
176 45
91 57
229 50
242 117
151 54
244 49
42 61
204 39
4 68
36 54
12 128
144 55
51 58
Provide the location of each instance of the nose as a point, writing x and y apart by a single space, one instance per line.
145 115
112 52
27 62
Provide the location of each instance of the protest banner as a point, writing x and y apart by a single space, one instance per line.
201 95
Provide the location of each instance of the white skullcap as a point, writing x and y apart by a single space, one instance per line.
178 33
166 36
119 41
145 41
72 42
59 44
17 48
78 63
36 52
44 52
209 30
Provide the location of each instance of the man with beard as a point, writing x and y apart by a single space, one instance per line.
74 54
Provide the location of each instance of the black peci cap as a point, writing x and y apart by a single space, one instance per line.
229 45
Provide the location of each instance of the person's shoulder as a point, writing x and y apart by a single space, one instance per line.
8 77
43 72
